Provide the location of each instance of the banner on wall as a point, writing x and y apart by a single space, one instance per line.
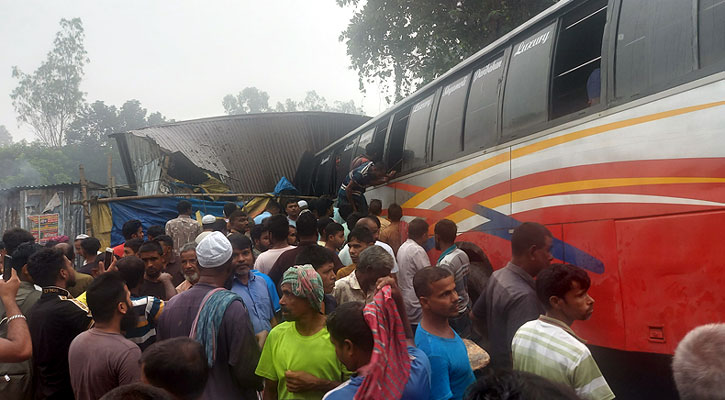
43 226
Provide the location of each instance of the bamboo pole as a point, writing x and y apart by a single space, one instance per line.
166 195
84 196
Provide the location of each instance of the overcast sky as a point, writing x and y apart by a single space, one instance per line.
181 57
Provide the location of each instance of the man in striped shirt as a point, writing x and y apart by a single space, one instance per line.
147 308
549 347
456 261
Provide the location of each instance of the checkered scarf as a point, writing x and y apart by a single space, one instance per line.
389 368
307 283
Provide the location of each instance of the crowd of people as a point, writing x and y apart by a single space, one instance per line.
299 303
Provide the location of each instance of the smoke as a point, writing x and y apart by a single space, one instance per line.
18 173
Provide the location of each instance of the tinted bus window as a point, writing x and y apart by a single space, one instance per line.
348 152
365 139
396 139
447 139
577 64
415 137
324 176
482 110
712 31
654 45
527 84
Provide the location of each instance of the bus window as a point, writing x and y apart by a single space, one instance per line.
396 139
482 109
527 84
324 176
712 32
447 140
344 157
365 139
577 63
414 150
654 45
381 130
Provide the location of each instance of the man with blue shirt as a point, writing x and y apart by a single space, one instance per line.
351 195
456 261
354 341
436 291
252 288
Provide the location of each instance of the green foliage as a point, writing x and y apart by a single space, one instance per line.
249 100
49 98
6 139
252 100
414 41
96 121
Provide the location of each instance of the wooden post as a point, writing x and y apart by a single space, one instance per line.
84 195
111 186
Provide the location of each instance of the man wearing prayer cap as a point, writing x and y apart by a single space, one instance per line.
287 374
216 318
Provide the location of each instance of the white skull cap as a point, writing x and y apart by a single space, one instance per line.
213 251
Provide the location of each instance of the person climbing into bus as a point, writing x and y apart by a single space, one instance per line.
351 196
372 153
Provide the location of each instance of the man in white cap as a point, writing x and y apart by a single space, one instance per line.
207 222
227 336
77 246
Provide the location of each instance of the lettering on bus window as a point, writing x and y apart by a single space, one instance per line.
349 146
482 109
526 46
654 46
525 102
447 139
414 150
325 160
712 32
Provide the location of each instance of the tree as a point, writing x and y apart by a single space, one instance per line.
313 102
253 100
414 41
49 98
6 139
249 100
94 123
288 106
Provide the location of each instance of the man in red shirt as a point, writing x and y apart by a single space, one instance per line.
131 229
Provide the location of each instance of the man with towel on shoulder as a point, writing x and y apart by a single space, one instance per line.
376 341
216 318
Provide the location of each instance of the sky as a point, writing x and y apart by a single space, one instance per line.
182 57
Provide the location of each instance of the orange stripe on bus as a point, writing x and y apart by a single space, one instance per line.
568 187
416 200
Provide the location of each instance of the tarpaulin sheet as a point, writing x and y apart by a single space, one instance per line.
285 185
102 223
155 211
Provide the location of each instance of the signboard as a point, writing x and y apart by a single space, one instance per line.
43 226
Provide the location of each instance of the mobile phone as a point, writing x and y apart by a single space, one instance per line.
109 258
7 268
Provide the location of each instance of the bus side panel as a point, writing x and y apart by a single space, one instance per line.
606 326
673 273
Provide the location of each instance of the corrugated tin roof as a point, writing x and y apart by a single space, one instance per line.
252 150
55 185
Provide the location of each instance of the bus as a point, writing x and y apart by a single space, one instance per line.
603 120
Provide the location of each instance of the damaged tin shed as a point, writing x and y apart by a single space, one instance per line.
239 153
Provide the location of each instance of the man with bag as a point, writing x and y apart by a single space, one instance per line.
216 318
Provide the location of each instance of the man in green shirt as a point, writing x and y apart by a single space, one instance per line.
298 360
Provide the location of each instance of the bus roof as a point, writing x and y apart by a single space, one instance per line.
463 64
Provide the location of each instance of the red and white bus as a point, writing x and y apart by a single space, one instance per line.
603 120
